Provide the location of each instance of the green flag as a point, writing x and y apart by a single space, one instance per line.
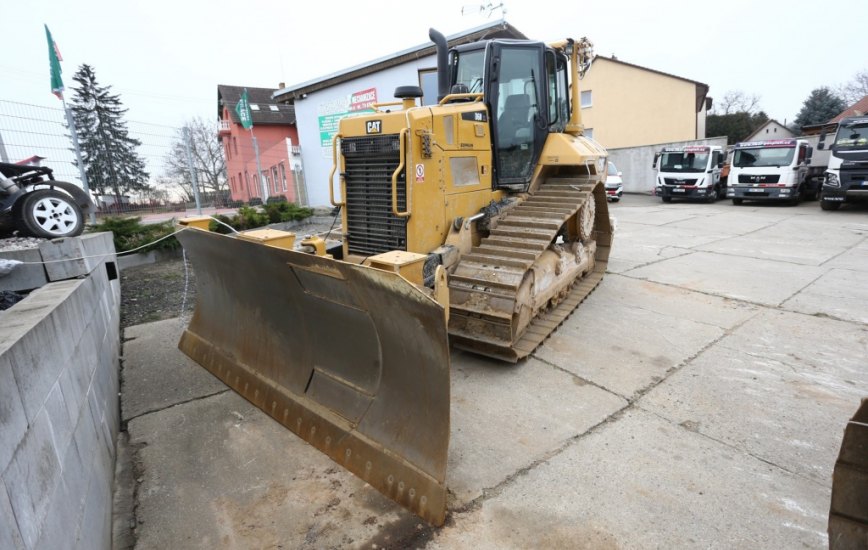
54 60
243 110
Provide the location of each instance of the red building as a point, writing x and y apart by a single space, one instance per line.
277 137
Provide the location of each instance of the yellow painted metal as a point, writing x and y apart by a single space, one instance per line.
316 243
199 222
311 344
402 141
335 166
406 264
270 237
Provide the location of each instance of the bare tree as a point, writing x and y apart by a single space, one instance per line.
208 160
855 89
736 101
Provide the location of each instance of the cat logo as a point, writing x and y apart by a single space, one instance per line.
374 127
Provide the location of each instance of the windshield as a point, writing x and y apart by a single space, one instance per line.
683 162
470 69
612 170
852 136
771 156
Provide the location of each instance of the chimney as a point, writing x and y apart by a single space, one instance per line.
281 85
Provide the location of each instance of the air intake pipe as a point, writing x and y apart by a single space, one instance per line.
442 62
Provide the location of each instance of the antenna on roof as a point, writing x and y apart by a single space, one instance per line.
486 9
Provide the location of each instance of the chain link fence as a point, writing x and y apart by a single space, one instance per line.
38 135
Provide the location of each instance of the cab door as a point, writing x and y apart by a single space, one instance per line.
516 99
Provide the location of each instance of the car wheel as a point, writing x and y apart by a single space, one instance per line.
666 199
616 199
737 201
49 214
829 205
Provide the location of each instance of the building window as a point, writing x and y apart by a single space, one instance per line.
247 182
239 180
428 83
586 99
274 179
226 147
589 133
254 106
255 185
283 176
235 143
232 183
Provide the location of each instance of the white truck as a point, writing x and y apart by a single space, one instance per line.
691 172
846 176
783 170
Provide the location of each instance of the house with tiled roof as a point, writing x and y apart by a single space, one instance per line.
859 108
627 105
276 136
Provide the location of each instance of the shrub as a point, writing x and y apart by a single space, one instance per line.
131 233
276 198
236 204
286 211
255 201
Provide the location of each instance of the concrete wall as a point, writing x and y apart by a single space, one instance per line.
631 106
635 162
317 159
59 354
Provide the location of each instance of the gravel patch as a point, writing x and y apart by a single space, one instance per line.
19 243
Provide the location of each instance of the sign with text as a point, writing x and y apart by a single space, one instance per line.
330 114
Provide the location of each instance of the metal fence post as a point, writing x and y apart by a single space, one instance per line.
73 134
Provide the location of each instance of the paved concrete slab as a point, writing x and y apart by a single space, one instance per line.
856 259
765 282
779 387
643 482
155 374
217 472
681 406
507 417
595 345
840 293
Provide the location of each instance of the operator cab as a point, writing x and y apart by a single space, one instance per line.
525 87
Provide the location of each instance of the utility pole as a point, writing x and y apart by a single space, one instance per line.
81 171
188 137
262 182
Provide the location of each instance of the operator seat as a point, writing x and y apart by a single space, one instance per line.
513 119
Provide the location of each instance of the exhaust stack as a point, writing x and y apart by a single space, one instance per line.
442 62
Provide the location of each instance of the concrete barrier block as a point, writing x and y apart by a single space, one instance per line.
95 527
10 537
13 421
31 478
58 531
26 276
62 424
79 255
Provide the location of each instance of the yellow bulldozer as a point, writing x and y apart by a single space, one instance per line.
480 222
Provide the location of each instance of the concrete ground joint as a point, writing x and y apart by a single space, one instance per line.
191 400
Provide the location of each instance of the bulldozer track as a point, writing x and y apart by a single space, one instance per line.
484 286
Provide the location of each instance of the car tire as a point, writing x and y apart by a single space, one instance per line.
616 199
666 199
49 214
829 205
737 201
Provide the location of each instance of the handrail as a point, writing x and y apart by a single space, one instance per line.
332 174
376 106
456 97
402 144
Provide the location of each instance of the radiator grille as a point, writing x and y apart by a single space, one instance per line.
369 162
759 178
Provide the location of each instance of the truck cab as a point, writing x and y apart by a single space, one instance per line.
691 172
771 170
846 177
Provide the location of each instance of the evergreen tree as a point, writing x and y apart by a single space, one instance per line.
108 152
735 126
820 106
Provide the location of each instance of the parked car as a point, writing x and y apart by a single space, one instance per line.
37 205
614 184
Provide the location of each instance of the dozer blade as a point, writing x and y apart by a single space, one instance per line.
352 359
848 515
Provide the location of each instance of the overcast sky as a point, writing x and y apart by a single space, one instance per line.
165 58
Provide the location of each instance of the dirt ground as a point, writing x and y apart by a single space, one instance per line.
156 291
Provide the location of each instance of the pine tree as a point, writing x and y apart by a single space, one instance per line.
108 152
820 106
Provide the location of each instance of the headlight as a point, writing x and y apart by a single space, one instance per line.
832 180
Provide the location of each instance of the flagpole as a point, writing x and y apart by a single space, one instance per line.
82 172
262 183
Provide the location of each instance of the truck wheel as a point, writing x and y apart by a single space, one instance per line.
666 199
797 196
49 214
829 205
737 201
